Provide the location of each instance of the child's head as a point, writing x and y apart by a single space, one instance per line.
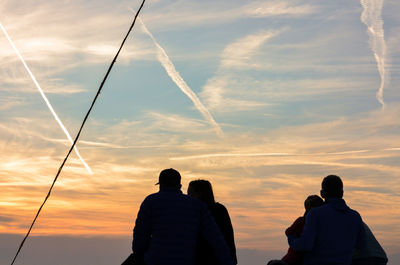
312 201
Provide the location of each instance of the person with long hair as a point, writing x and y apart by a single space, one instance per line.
168 224
202 190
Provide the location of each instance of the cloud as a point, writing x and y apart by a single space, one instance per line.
228 155
175 123
10 102
267 167
372 18
277 8
301 78
239 53
178 80
339 151
5 219
46 100
183 14
70 39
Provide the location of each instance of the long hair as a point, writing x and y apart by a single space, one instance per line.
202 190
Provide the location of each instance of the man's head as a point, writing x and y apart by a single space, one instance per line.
169 178
332 187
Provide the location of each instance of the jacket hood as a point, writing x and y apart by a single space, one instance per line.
337 204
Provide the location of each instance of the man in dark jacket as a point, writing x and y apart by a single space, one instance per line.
331 231
168 224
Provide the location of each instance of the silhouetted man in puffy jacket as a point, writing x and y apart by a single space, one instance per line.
331 231
168 224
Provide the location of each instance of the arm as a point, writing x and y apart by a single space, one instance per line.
296 228
307 239
142 230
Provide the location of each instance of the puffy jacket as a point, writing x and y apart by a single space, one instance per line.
167 227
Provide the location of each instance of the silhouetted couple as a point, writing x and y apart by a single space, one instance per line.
330 233
177 229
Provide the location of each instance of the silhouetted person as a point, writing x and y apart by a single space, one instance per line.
294 257
332 231
168 225
371 253
202 190
277 262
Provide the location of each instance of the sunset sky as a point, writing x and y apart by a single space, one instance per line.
263 98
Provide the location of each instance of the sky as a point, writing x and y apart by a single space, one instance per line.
262 98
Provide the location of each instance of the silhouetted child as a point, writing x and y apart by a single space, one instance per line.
294 257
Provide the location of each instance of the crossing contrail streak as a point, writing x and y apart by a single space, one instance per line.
372 18
45 98
178 80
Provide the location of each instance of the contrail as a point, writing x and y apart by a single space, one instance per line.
219 155
178 80
45 98
372 18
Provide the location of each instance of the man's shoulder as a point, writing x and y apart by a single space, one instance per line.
152 196
355 214
329 210
322 210
176 196
319 210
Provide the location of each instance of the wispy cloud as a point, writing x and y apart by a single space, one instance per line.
69 40
178 80
107 145
9 102
183 14
45 98
238 55
266 167
313 146
277 8
372 18
228 155
294 108
175 123
274 154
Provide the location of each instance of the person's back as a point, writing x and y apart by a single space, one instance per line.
168 225
223 220
337 227
174 221
202 190
331 231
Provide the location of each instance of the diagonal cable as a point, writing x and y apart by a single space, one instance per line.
79 132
